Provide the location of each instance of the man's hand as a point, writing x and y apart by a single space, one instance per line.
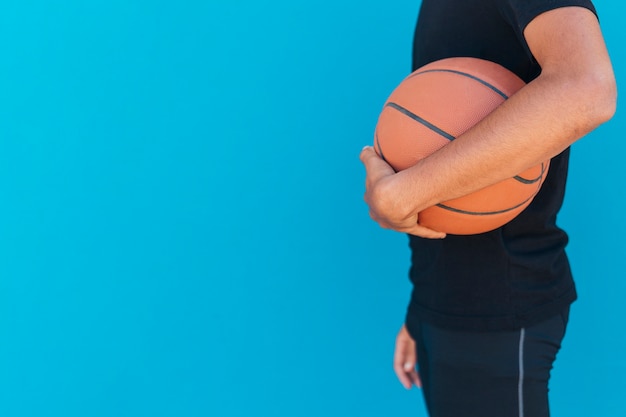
387 199
405 360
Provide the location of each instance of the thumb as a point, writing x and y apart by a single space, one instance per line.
368 152
405 359
411 372
375 166
409 365
410 358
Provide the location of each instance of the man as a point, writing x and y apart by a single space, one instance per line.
488 312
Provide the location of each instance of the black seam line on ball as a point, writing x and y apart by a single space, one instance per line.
420 120
465 74
380 149
484 213
377 144
534 180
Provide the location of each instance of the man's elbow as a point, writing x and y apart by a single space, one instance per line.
601 98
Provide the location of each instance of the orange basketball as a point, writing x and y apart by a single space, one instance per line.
430 108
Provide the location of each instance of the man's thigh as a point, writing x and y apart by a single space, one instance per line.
488 374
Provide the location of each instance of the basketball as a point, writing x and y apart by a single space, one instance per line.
431 107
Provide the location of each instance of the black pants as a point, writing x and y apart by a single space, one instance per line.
488 374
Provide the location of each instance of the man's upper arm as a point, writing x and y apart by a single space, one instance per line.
567 41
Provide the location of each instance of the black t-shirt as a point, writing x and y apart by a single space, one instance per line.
519 274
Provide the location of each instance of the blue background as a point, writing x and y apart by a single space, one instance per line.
182 228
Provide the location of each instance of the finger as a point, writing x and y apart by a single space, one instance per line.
410 226
366 152
372 160
411 371
375 166
407 357
403 377
415 378
404 363
410 365
398 365
421 231
408 375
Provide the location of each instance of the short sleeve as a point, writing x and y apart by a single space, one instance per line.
519 13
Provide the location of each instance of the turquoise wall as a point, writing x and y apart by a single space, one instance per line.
182 228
